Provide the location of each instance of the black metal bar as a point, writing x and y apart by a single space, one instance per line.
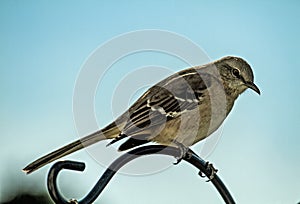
52 178
217 182
192 158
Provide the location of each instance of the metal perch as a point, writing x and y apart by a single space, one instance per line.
191 157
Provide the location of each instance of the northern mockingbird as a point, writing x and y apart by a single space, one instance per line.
180 110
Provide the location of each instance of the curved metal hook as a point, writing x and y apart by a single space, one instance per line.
191 157
52 177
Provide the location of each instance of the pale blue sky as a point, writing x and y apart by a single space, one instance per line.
45 43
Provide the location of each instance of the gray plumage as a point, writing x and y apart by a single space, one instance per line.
182 109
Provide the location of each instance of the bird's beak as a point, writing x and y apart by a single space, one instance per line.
252 86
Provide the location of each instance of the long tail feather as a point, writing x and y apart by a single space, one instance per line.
110 132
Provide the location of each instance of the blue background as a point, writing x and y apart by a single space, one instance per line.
43 44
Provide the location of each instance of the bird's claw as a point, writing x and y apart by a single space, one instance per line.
178 160
184 153
73 201
213 171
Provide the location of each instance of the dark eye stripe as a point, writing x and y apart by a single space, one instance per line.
227 66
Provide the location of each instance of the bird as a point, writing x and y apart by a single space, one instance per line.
179 111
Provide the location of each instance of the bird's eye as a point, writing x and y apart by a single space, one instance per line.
236 73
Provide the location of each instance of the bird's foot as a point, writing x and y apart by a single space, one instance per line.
213 171
73 201
185 152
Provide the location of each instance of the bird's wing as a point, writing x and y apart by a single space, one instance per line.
166 100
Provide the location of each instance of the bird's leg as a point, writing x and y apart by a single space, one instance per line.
212 169
184 152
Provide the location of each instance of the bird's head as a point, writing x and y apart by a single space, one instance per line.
236 74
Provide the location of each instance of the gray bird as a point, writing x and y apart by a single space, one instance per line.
180 110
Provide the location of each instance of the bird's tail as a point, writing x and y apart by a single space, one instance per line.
109 132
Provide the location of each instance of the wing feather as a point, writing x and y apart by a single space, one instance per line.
166 101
